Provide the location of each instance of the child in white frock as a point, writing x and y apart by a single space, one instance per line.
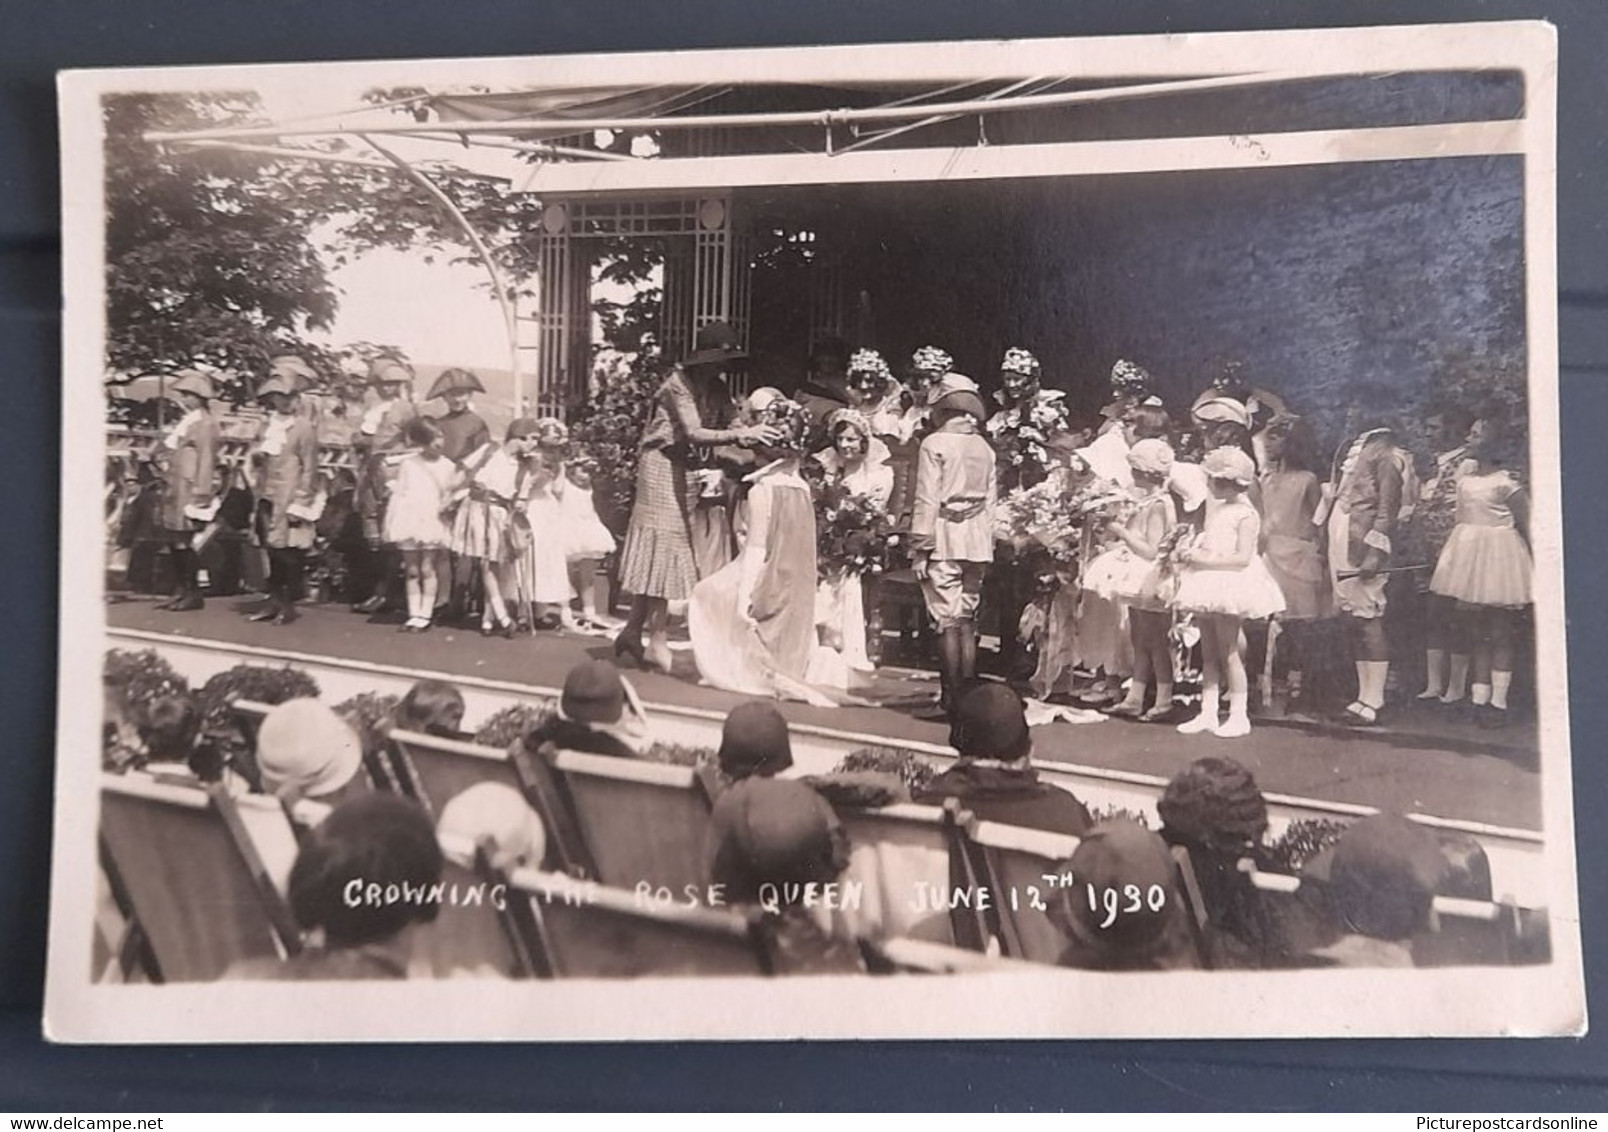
1224 583
413 519
1128 573
1486 566
544 569
586 543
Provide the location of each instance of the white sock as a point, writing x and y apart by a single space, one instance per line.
1456 679
1500 683
1435 670
1371 676
1480 693
1238 704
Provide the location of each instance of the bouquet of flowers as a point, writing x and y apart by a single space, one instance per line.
853 533
608 427
1021 434
1038 517
1169 554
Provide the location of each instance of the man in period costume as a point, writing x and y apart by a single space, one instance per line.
187 459
378 443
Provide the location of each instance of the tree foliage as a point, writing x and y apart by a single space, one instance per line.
208 258
219 257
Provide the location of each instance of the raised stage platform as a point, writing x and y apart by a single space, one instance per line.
1423 763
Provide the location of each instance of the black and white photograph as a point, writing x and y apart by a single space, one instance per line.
1030 539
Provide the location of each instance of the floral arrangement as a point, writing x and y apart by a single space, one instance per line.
133 680
512 723
913 770
679 754
1114 812
930 359
142 676
608 427
1039 516
867 370
1129 380
790 419
1018 360
1303 840
262 683
1021 433
368 711
854 533
1170 557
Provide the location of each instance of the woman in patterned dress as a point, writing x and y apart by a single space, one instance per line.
657 565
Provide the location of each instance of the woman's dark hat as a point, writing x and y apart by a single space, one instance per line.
717 342
456 381
990 723
754 741
593 693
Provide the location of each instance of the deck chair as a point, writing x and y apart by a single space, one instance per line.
582 930
441 768
1012 863
566 848
1469 933
919 957
471 936
185 875
904 853
640 822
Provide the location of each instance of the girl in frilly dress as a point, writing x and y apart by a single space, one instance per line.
1128 572
1223 583
1486 565
413 520
587 541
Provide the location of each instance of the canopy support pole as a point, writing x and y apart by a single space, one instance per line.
505 297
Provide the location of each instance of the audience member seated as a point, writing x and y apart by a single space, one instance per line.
994 778
498 818
598 713
1123 912
1214 809
432 707
305 750
777 845
1379 884
374 844
169 729
1468 869
754 742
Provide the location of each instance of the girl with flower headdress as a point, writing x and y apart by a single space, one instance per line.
876 395
544 567
928 366
753 621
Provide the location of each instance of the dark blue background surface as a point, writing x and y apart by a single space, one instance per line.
41 36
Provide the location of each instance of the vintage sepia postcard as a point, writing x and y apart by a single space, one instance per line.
1024 539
